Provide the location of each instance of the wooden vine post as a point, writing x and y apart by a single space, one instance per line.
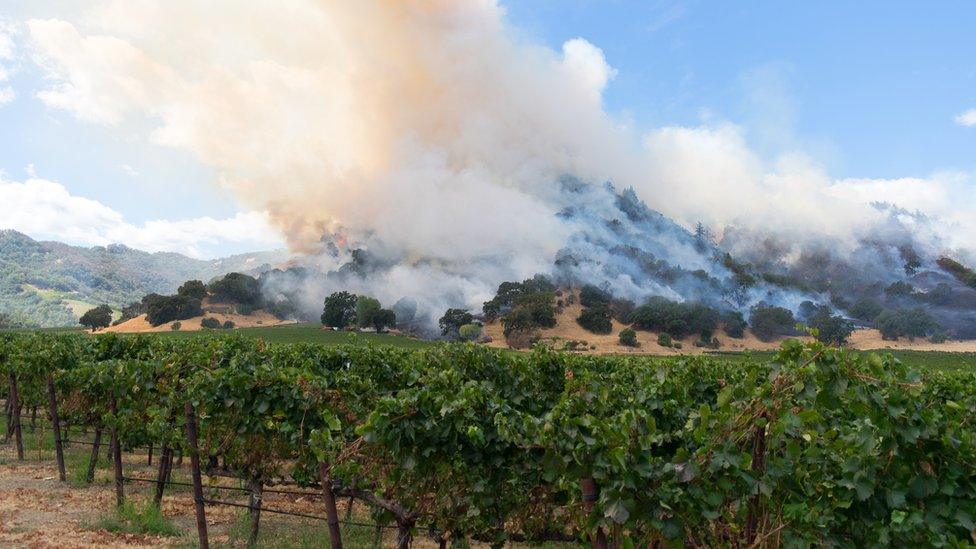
759 468
52 397
93 461
15 406
165 465
191 437
116 454
590 494
256 488
331 513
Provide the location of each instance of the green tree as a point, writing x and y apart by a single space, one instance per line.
596 319
831 329
236 288
99 317
769 322
193 288
450 324
384 319
162 309
866 309
734 324
339 310
366 310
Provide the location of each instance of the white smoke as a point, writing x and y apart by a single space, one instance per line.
426 131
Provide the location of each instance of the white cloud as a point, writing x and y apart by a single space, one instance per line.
128 170
47 210
7 93
967 118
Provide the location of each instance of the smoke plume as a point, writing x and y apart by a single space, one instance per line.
432 135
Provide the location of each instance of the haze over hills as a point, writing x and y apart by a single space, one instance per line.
51 284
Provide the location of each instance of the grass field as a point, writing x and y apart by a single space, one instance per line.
313 333
310 333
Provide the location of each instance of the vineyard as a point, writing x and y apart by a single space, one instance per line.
459 444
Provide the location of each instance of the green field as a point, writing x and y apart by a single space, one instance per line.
313 333
310 333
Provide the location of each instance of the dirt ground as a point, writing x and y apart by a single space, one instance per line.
38 511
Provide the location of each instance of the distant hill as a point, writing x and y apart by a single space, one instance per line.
52 284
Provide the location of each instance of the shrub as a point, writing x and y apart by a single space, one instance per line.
470 332
677 345
228 325
769 322
576 345
939 336
210 323
707 342
664 339
596 319
339 310
734 324
628 338
521 339
175 326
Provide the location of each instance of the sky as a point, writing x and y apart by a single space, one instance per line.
865 90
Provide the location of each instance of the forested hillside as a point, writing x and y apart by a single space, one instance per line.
52 284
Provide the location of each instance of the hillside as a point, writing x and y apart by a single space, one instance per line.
50 283
567 330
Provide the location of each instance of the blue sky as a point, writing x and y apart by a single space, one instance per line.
874 87
867 89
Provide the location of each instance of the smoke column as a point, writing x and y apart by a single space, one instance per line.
431 134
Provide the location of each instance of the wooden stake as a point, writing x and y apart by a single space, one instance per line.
58 449
331 513
94 455
191 436
256 488
18 434
117 455
165 461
